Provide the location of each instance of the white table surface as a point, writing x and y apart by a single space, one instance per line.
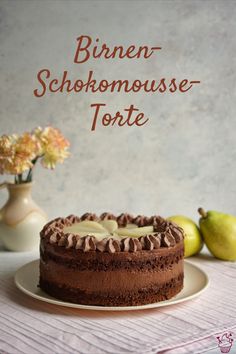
30 326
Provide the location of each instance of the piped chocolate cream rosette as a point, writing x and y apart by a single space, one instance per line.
109 233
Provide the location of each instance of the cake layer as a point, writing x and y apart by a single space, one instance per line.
77 259
125 278
109 281
147 295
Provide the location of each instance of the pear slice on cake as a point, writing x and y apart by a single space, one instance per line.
109 225
135 232
99 235
131 226
107 228
85 226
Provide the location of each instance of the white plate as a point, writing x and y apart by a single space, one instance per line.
195 282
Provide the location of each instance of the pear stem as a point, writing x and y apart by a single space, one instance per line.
202 212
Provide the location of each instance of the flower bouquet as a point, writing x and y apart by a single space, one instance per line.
19 154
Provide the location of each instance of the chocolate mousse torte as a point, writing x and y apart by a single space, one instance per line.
111 261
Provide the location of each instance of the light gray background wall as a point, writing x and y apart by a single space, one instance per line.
183 158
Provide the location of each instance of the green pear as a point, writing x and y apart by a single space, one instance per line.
192 240
219 233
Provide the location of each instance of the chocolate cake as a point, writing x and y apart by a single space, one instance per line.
111 261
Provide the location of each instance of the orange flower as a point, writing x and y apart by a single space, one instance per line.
6 153
26 150
54 146
27 146
17 153
19 165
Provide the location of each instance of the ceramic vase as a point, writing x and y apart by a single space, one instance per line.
21 219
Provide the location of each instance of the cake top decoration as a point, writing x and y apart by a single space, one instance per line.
109 233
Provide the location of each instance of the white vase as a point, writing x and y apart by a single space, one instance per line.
21 219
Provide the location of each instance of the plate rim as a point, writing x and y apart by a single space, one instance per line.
58 302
